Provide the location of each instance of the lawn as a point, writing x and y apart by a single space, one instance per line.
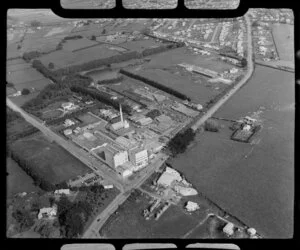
87 118
17 180
54 163
52 114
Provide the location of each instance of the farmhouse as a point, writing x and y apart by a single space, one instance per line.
48 212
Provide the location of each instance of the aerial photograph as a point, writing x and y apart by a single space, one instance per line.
88 4
150 128
211 4
149 4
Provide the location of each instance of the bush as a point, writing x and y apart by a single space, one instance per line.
211 125
179 143
25 91
51 65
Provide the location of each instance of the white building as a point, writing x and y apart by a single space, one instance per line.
62 191
168 177
229 229
67 105
251 231
49 212
68 123
121 124
138 157
67 132
191 206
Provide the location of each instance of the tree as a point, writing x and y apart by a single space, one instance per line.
25 91
93 37
211 125
51 65
24 218
103 31
244 62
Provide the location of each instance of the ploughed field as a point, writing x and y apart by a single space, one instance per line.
253 182
54 163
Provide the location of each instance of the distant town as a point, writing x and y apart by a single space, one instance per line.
121 128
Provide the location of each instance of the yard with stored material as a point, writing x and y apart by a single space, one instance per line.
128 220
54 163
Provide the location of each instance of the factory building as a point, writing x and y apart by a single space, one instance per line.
138 157
112 155
121 124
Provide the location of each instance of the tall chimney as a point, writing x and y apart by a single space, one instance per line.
121 114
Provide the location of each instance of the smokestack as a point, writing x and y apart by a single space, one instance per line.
121 114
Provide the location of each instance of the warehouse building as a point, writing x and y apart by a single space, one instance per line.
111 154
138 157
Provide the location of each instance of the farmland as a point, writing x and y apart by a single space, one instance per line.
55 165
62 59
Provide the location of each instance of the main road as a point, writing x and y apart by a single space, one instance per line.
250 68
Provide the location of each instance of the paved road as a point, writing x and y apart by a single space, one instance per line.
219 104
83 156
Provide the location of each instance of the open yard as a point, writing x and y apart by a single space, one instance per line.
54 163
88 118
128 221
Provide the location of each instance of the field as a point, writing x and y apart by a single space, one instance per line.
20 100
54 163
63 59
12 51
24 75
195 90
17 180
140 45
284 40
73 45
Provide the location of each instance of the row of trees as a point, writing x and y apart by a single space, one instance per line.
103 97
30 167
111 81
179 143
155 84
